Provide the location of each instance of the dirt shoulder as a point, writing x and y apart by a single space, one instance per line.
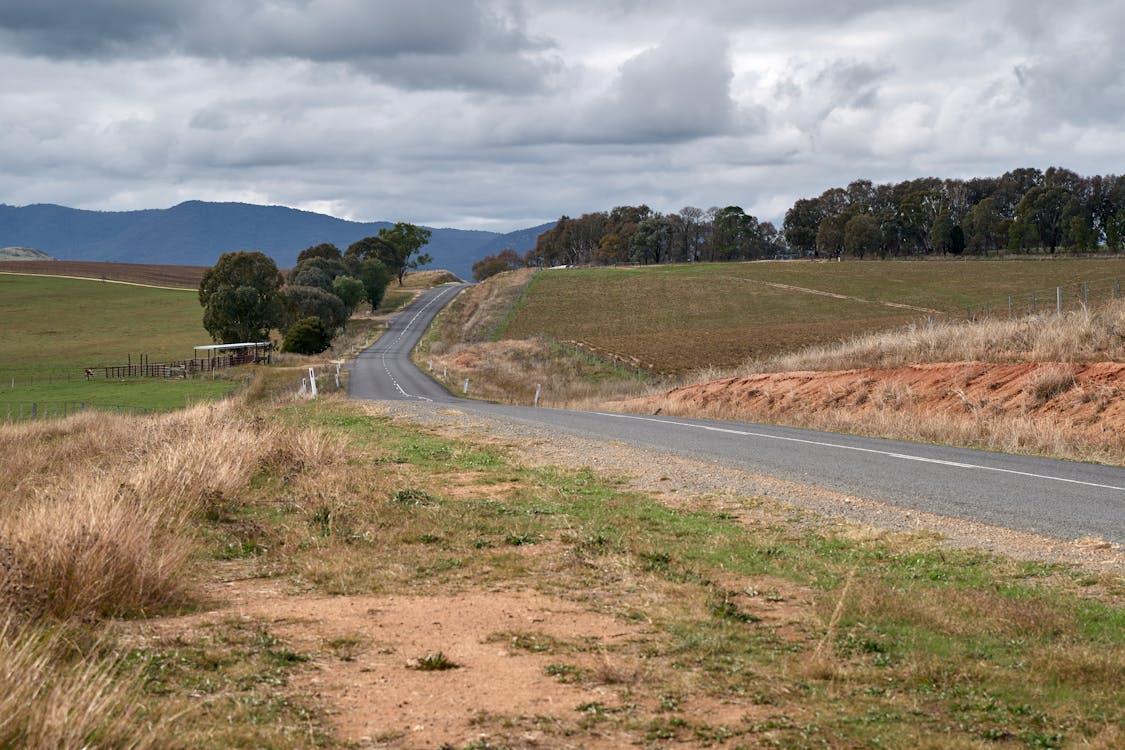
680 482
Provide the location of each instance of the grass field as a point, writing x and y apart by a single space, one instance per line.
679 318
53 328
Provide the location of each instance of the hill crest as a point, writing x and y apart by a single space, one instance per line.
197 232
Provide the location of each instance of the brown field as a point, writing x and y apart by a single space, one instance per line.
676 319
178 277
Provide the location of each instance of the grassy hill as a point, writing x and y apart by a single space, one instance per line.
55 327
679 318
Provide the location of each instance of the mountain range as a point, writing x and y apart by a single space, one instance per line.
198 232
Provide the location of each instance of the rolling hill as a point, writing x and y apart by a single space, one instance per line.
198 232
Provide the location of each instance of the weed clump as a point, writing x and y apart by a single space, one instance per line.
436 662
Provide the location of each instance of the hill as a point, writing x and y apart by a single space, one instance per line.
196 233
22 253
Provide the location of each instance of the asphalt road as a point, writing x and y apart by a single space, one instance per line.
1061 499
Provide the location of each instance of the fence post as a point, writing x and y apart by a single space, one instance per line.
1058 299
34 410
538 386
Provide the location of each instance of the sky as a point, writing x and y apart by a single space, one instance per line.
503 114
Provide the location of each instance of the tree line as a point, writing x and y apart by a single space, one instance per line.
1023 210
245 296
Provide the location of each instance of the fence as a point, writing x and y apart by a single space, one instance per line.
24 411
178 368
1059 299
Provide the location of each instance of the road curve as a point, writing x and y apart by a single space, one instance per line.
1061 499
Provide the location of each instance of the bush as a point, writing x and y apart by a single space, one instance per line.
305 301
350 290
307 336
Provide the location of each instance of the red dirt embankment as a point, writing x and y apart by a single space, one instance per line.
1063 403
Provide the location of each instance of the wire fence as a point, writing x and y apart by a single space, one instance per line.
1058 299
29 411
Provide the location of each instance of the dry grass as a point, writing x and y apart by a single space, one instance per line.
49 699
901 414
100 517
96 510
1080 336
475 315
508 371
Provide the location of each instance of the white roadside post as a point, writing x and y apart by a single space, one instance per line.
538 386
312 382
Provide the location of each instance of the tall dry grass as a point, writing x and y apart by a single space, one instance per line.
475 314
51 699
96 510
98 519
1084 335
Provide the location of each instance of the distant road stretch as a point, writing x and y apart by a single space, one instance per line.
1061 499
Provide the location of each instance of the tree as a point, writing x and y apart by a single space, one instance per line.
324 250
350 290
366 249
307 336
862 235
650 241
734 235
375 277
505 260
304 301
801 225
240 297
401 248
1043 209
318 271
987 226
830 236
941 232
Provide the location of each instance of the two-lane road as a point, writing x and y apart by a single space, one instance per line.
1061 499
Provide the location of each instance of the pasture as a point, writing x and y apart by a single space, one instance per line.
674 319
53 328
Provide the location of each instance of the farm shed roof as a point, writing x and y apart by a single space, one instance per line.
249 345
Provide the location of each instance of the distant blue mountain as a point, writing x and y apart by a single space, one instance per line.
198 232
520 240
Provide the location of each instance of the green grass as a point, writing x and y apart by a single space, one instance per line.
962 645
677 318
54 328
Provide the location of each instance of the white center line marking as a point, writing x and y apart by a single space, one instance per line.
891 454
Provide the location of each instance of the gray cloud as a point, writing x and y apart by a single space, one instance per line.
504 113
421 43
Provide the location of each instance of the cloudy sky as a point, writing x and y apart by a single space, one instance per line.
500 114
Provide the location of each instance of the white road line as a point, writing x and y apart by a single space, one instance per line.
891 454
387 349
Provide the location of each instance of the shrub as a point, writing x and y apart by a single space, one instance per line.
303 301
307 336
